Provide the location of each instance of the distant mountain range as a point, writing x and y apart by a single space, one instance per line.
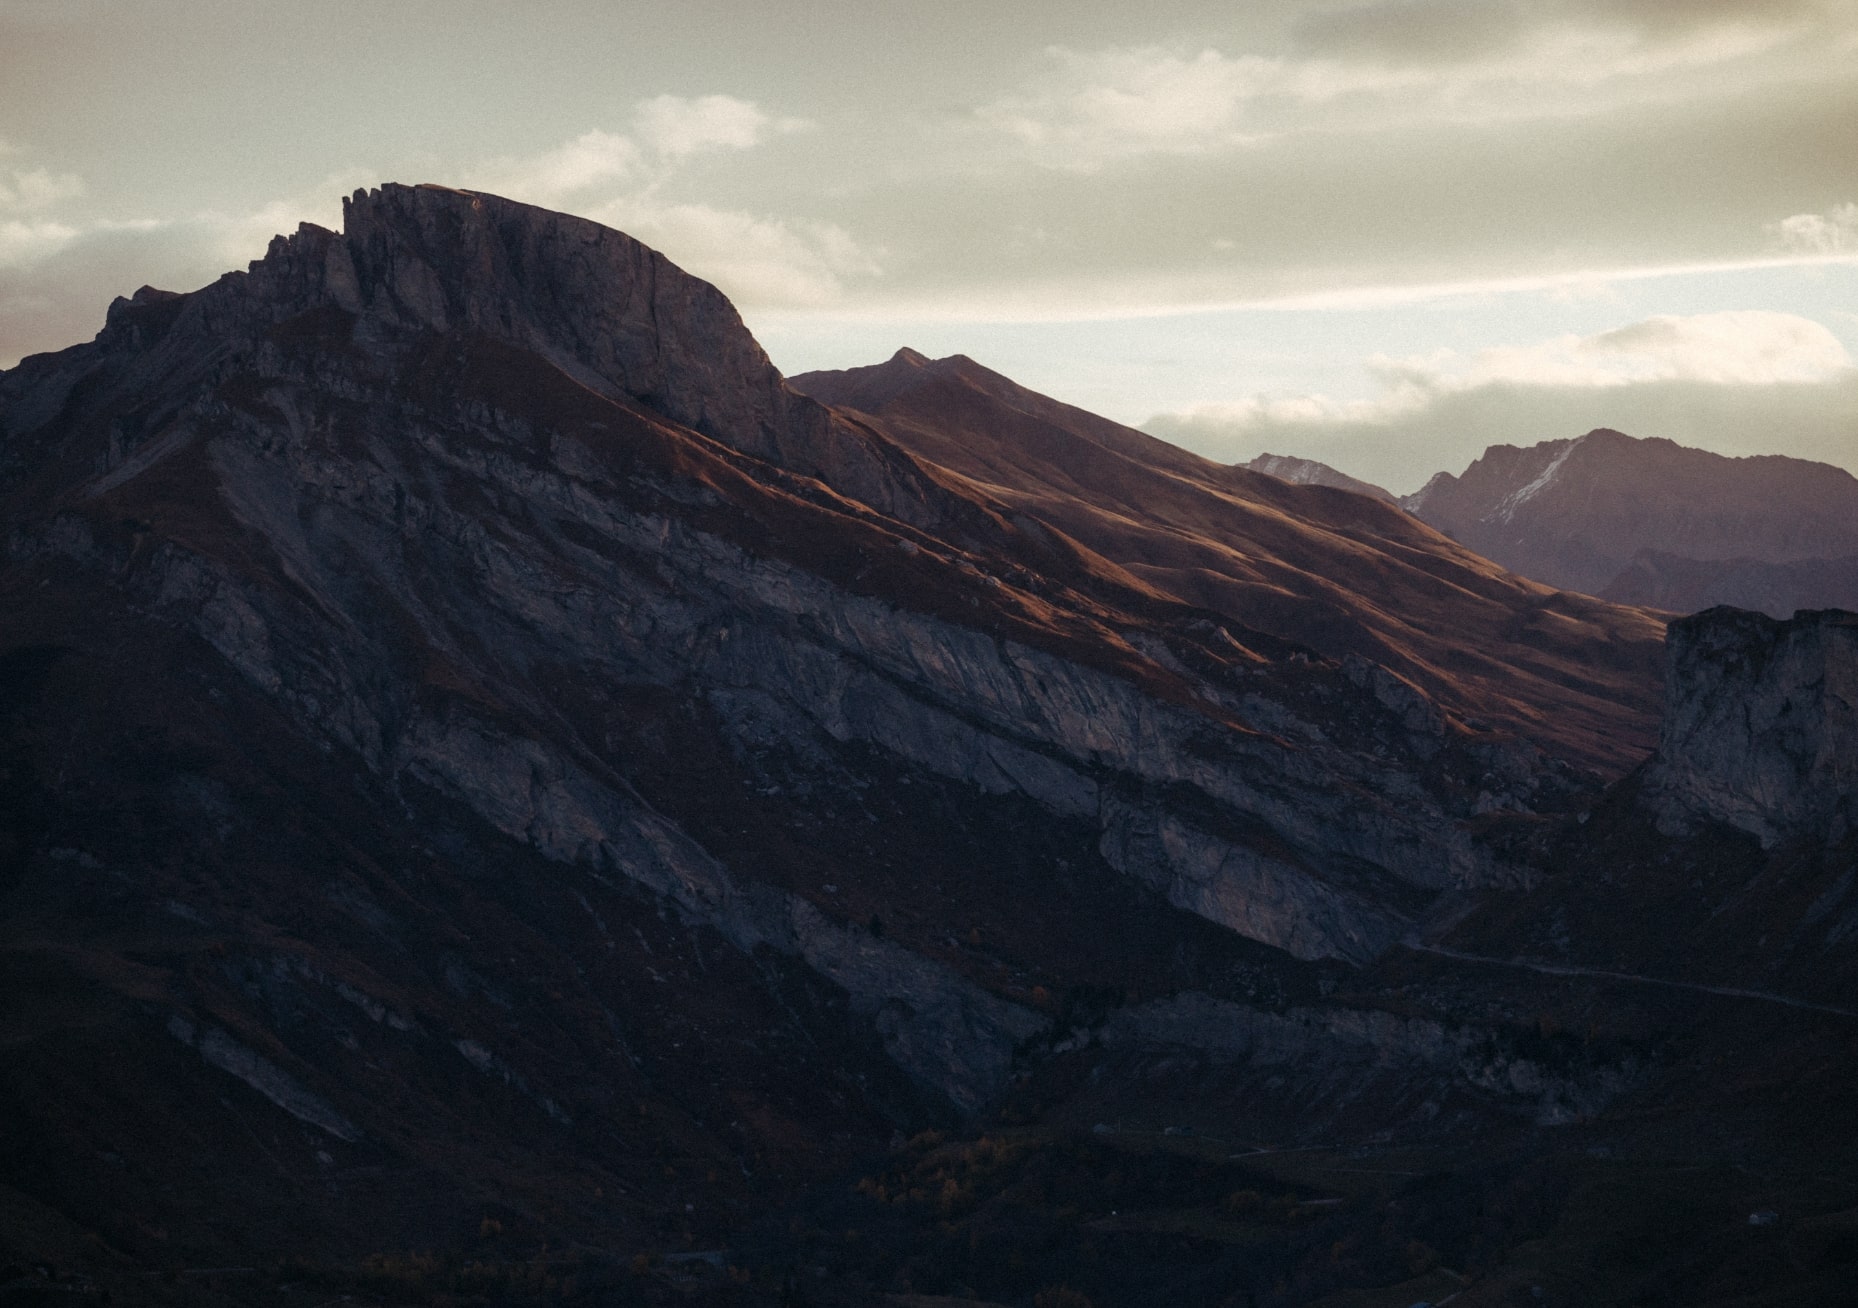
1647 522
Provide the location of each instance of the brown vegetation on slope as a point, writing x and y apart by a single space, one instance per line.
1337 572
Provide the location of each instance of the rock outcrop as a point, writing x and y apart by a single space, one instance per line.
1761 725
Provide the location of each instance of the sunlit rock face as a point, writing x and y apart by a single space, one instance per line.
1761 724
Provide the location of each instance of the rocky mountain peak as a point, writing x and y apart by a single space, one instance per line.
1761 724
612 313
415 263
1580 514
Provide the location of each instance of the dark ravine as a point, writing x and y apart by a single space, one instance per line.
484 752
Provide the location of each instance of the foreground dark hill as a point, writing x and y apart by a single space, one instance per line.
504 800
1652 522
1329 570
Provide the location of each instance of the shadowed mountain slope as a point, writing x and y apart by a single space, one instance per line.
1337 572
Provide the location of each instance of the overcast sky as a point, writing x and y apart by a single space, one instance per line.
1380 234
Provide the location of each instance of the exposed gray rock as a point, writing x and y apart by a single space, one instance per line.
1761 725
261 1074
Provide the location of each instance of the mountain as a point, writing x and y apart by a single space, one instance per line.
1652 522
504 799
1309 472
1345 577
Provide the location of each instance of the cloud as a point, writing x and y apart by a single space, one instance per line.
38 189
57 272
758 262
1369 68
676 126
629 181
1095 105
1735 382
1835 232
23 243
32 235
57 277
1736 347
57 295
230 240
665 131
1113 102
1454 32
592 159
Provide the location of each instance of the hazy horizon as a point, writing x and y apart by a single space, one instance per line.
1384 235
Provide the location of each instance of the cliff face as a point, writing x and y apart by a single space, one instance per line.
1761 725
1652 522
458 694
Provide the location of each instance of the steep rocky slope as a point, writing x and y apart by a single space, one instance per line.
1341 575
488 765
1653 522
